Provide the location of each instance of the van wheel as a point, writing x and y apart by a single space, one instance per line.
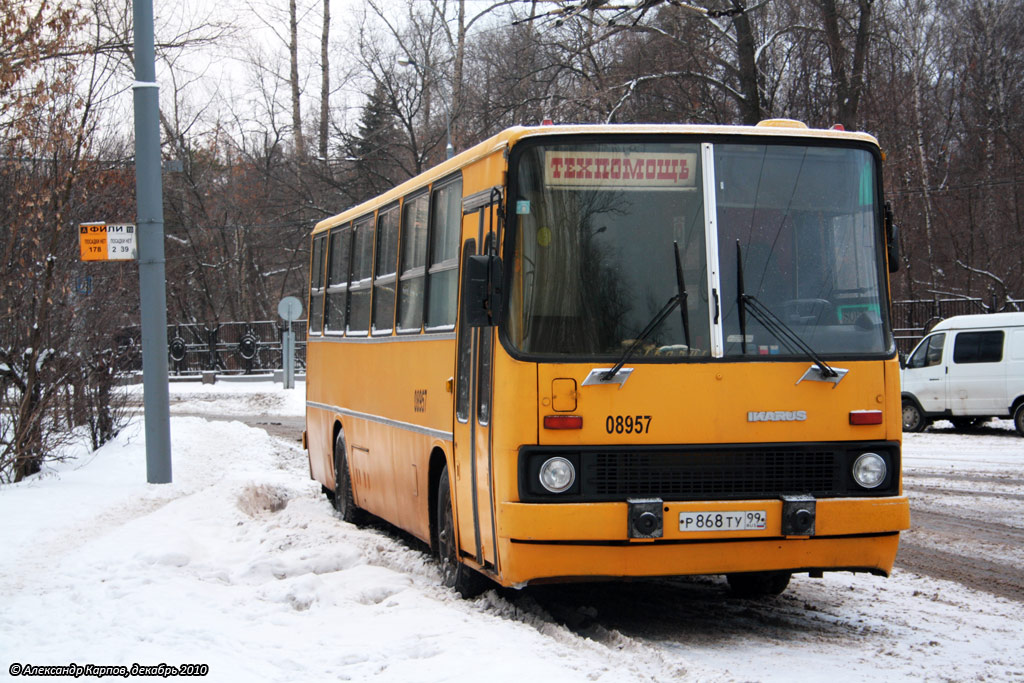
913 418
757 584
454 574
1018 418
344 502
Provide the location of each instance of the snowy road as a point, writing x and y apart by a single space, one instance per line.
967 508
241 564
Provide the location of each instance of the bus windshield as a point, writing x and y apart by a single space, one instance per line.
599 228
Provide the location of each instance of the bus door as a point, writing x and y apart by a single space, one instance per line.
472 430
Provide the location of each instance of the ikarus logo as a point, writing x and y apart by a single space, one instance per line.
776 416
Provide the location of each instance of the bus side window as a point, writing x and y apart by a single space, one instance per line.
443 273
338 264
384 277
316 285
413 263
360 285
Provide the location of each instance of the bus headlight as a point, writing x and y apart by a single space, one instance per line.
869 470
557 474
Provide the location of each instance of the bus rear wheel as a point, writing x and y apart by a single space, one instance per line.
343 500
1018 418
454 574
757 584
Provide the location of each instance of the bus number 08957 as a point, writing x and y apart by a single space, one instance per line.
628 424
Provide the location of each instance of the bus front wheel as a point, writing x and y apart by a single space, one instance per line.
344 501
454 574
758 584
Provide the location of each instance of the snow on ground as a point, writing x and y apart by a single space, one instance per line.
231 396
241 564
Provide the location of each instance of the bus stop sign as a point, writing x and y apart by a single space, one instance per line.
289 308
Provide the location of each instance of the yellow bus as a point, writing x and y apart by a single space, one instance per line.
589 352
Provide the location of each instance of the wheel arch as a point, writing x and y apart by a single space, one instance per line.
336 429
907 396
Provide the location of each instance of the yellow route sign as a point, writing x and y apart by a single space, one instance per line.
103 242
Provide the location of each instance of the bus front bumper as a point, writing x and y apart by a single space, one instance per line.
574 540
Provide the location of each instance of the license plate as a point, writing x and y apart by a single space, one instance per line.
726 520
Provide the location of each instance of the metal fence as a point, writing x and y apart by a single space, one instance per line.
911 320
254 347
232 347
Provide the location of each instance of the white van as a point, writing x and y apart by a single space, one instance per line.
968 369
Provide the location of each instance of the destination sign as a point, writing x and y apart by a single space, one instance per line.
619 171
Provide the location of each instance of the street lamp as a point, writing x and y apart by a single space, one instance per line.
408 61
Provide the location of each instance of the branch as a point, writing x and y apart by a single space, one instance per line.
979 271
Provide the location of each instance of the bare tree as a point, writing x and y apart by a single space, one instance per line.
325 81
293 54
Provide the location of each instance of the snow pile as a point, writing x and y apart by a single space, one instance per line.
241 564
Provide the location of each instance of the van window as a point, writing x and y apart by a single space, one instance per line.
978 347
929 352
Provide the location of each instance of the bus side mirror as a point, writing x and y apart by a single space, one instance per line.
892 236
482 296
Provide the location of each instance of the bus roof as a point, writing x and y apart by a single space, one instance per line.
508 138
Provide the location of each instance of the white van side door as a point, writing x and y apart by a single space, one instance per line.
976 382
925 374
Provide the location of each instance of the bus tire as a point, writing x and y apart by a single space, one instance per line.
913 419
454 574
1018 418
343 501
757 584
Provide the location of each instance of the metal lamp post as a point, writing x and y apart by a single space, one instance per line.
152 281
408 61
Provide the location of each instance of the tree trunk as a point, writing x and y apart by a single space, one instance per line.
921 156
460 58
325 81
848 86
750 106
293 49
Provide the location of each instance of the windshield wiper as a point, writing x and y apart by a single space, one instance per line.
681 291
658 318
679 299
748 303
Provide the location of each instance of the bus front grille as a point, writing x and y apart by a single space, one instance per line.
749 474
708 472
